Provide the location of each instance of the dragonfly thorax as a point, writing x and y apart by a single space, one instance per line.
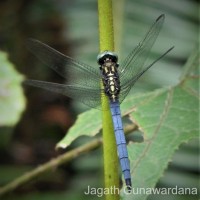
108 66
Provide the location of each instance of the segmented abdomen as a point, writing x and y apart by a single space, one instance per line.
120 141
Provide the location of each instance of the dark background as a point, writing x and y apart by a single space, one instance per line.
71 27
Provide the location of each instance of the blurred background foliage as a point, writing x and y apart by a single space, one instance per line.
72 28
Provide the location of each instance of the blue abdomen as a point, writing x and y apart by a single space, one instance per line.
121 142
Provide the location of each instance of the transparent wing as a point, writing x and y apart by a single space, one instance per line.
75 72
87 95
84 80
126 88
133 65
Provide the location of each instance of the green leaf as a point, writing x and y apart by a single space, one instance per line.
12 101
88 123
167 117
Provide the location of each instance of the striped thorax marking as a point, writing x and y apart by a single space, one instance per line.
108 66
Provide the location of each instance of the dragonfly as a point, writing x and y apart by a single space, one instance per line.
83 81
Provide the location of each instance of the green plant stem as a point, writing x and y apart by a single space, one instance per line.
56 162
106 42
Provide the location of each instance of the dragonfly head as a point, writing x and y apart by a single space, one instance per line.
102 57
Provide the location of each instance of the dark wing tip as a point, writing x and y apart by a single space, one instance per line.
32 40
161 16
29 40
30 44
168 50
28 82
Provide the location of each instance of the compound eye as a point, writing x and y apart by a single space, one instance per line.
101 60
107 54
114 58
